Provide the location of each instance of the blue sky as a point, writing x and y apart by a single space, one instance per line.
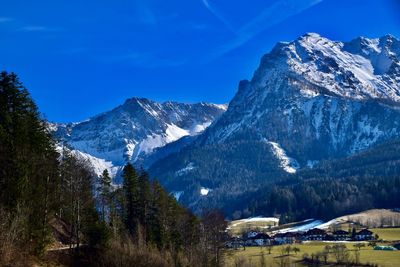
79 58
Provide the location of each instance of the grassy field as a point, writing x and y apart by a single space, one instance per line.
389 234
253 255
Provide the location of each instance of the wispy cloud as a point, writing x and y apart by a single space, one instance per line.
220 16
272 15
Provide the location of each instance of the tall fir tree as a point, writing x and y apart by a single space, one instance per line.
131 191
104 191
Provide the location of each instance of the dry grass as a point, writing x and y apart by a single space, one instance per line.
388 234
12 251
373 218
252 255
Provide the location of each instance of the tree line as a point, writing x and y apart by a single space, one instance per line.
47 195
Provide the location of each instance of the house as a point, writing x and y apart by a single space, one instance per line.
314 234
341 235
262 239
286 238
364 234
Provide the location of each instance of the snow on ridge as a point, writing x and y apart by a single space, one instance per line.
288 164
221 106
328 64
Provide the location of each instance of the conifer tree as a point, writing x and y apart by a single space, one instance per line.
131 191
105 193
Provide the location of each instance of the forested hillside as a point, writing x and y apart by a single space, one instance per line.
42 191
332 188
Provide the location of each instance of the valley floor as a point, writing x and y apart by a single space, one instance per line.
251 256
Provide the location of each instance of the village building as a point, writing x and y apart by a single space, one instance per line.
260 239
364 234
341 235
314 234
286 238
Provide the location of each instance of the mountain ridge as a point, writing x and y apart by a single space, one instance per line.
132 130
309 100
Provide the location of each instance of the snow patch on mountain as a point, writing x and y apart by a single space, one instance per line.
309 224
97 165
185 170
288 164
204 191
172 133
198 128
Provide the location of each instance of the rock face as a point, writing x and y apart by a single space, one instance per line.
310 99
132 131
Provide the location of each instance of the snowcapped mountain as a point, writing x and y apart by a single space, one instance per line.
310 99
131 131
316 94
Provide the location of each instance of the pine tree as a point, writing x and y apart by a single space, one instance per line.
157 216
105 193
131 191
144 201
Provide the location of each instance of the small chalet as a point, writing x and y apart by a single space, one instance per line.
341 235
286 238
364 234
314 234
261 239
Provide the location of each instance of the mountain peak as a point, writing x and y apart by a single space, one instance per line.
357 69
137 100
310 36
135 128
